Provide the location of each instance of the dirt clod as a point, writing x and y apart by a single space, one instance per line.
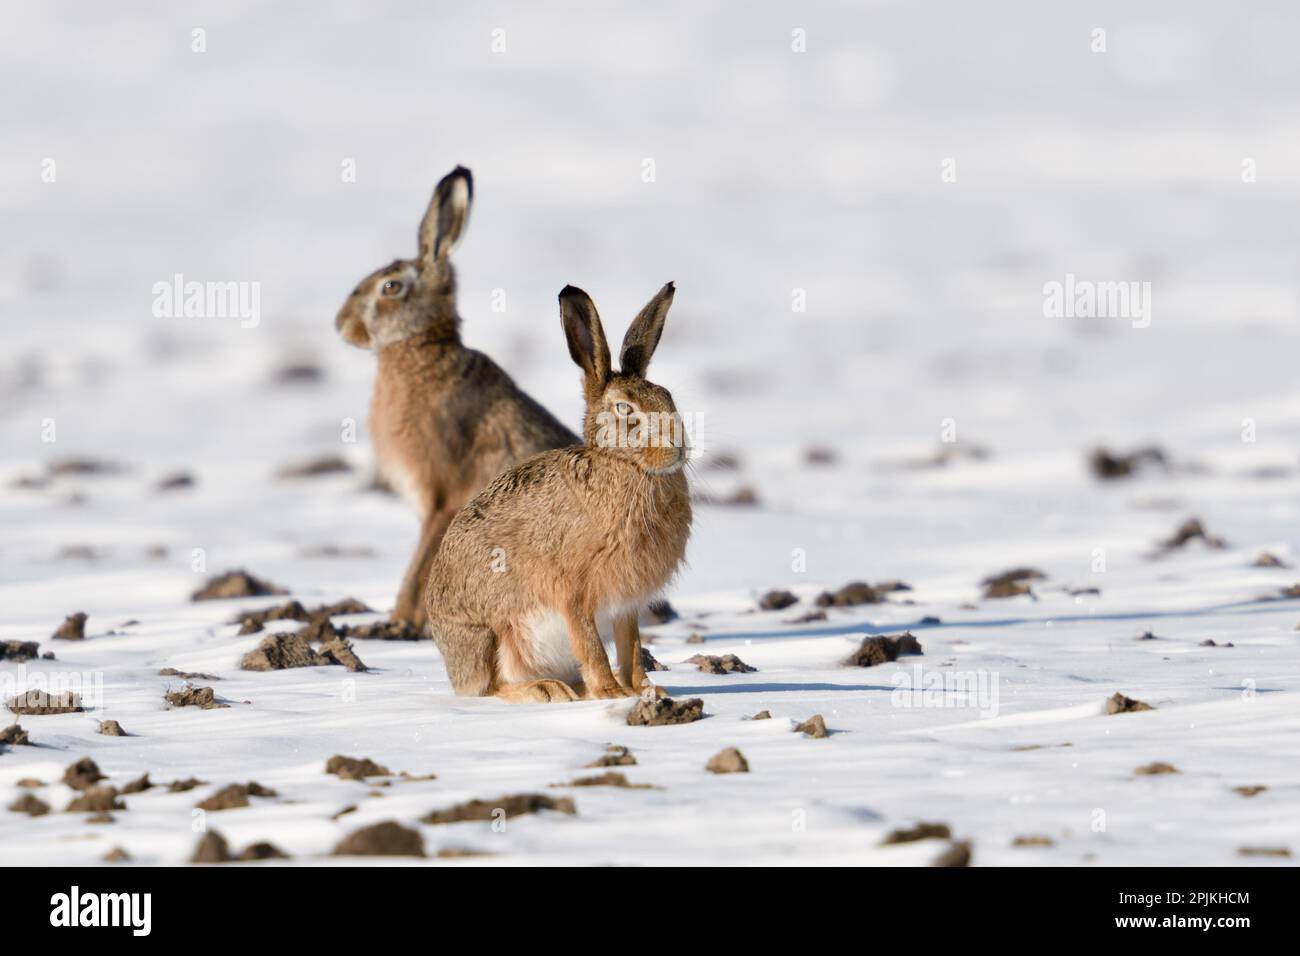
1117 703
138 785
337 650
174 481
111 728
811 617
513 805
288 611
745 496
883 648
294 611
1109 465
1250 791
382 631
288 650
263 851
724 664
814 726
19 650
777 600
1155 768
957 854
280 652
650 663
31 805
82 775
853 593
182 786
1282 851
382 839
201 697
234 584
14 736
97 799
37 703
1192 530
762 715
1034 839
116 855
325 465
1011 583
728 760
73 628
610 778
354 768
234 796
212 848
663 711
84 466
922 831
658 612
614 756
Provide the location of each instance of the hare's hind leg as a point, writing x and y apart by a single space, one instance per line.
410 596
544 691
470 653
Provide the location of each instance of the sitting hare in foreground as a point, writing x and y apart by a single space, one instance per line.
444 419
526 567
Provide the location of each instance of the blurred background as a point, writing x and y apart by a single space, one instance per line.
861 204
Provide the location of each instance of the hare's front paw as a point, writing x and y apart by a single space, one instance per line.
609 691
641 687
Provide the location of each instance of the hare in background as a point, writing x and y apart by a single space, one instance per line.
444 419
528 565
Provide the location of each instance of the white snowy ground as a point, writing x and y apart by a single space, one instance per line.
775 171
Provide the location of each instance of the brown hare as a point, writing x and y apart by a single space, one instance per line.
570 534
444 418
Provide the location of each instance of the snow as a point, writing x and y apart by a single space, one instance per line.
775 171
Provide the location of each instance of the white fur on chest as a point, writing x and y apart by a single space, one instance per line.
404 482
545 635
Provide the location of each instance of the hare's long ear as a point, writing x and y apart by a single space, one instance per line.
643 335
585 335
445 219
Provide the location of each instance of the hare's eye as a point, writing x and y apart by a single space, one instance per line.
392 287
623 408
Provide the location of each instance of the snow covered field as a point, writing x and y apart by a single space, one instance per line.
781 179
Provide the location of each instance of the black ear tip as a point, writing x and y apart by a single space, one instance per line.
570 291
460 172
671 288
